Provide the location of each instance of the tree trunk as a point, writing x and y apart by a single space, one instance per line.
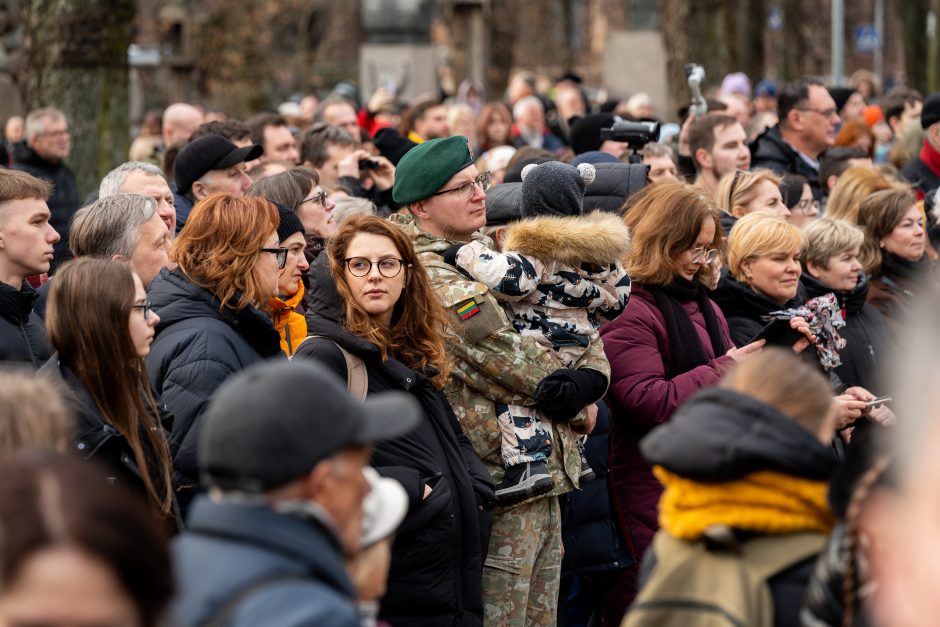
913 16
76 61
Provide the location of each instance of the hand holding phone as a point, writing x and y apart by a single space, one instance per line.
881 400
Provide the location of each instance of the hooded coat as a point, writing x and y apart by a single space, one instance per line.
642 397
22 335
197 346
722 435
867 338
436 571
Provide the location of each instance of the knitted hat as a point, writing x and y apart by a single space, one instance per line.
554 189
427 167
873 114
585 133
288 223
930 114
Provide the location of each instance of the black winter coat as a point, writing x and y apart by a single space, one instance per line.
196 348
22 335
771 152
743 308
593 542
437 558
720 435
612 185
920 176
867 338
64 201
96 440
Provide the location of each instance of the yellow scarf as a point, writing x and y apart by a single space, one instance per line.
764 502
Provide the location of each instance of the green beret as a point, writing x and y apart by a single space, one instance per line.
427 167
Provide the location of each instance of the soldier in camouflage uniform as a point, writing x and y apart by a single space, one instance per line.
493 365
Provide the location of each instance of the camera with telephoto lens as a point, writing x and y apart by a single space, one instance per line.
636 134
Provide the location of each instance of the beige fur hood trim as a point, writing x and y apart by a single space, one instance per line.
598 238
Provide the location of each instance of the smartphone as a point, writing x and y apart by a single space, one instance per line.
778 332
879 401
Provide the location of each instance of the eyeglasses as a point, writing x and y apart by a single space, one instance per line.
360 266
279 253
145 308
807 206
826 113
319 199
61 133
465 190
703 256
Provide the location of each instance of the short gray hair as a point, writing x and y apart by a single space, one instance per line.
110 226
519 109
36 121
113 181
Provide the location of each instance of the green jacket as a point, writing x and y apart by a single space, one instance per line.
492 362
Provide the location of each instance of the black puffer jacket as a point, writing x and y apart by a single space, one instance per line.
744 308
867 339
771 152
720 435
437 559
612 185
196 348
64 201
22 336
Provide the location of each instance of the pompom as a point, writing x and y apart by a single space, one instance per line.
588 173
527 169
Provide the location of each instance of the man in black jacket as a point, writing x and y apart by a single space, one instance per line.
923 172
26 248
808 121
47 146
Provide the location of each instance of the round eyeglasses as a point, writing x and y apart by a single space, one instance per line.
703 256
279 253
360 266
464 191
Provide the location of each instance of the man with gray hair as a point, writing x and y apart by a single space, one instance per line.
123 227
146 179
47 146
529 128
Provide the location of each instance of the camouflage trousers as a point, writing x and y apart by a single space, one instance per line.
523 436
522 570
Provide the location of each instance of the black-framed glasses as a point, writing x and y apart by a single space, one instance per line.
808 206
319 199
826 113
360 266
465 190
146 308
703 256
279 253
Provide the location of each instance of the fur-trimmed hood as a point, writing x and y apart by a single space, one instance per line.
597 238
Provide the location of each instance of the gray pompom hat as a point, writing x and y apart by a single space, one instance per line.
554 189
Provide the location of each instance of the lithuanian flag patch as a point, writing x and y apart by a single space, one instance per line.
467 309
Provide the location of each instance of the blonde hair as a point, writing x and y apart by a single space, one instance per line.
827 237
855 185
740 188
779 378
758 234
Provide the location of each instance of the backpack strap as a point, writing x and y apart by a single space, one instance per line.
769 555
357 377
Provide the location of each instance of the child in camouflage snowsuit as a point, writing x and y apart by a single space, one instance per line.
559 277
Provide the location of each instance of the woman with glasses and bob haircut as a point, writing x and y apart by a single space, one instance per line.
740 193
371 299
670 342
213 311
100 324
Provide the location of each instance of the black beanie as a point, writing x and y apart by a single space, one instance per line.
288 223
554 189
841 95
392 145
585 133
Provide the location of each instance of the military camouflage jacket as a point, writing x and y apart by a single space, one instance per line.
558 277
492 362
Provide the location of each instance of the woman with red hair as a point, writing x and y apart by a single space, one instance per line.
212 309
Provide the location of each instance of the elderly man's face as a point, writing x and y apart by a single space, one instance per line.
154 186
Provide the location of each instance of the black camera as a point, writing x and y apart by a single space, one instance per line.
636 134
368 164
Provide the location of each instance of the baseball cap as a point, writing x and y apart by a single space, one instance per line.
274 421
207 153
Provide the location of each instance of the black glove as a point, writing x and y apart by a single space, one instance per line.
450 255
564 393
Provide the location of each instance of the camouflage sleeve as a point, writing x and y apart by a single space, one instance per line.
511 275
490 356
594 357
615 290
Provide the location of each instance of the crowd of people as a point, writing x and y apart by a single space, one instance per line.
461 362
